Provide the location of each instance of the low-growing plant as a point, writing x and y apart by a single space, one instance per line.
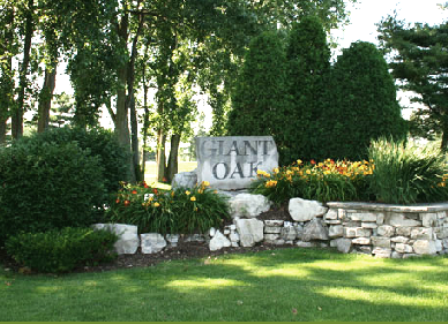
324 181
181 210
408 173
61 250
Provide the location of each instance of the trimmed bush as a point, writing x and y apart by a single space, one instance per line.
101 143
308 56
45 185
362 105
182 211
408 173
260 100
61 250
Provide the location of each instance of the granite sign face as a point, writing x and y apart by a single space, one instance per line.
232 162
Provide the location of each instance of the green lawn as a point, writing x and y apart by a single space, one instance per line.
282 285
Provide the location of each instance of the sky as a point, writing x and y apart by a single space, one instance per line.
365 14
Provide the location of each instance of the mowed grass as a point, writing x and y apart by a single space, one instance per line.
281 285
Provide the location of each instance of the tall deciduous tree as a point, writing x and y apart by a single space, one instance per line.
420 60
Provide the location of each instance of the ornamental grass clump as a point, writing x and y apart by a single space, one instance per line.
324 181
408 173
177 211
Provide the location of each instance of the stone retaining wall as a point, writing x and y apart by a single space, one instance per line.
376 229
388 230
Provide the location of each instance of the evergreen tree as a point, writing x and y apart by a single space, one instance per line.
260 102
364 105
420 60
308 57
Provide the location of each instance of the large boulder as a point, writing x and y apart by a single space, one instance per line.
302 210
184 180
248 205
315 230
219 241
250 230
128 240
152 243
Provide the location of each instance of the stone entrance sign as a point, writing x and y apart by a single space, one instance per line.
232 162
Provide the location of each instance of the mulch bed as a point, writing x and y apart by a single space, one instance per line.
182 252
185 250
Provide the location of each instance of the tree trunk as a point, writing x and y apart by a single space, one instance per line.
173 161
444 145
6 78
3 130
121 116
145 121
45 97
17 115
130 103
134 137
160 158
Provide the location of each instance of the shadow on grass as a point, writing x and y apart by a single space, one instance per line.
282 285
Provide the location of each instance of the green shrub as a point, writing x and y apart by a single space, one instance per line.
323 181
46 186
260 100
101 143
410 173
176 211
362 106
61 250
308 56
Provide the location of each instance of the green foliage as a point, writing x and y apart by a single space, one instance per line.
323 181
260 101
61 250
102 144
181 210
308 57
45 185
419 58
407 174
362 104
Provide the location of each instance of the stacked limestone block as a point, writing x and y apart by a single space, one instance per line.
387 230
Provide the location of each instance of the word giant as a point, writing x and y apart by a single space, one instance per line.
232 162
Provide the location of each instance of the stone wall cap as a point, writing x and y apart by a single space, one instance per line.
414 208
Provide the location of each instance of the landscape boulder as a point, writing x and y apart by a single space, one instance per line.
152 243
128 240
248 205
302 210
250 231
219 241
